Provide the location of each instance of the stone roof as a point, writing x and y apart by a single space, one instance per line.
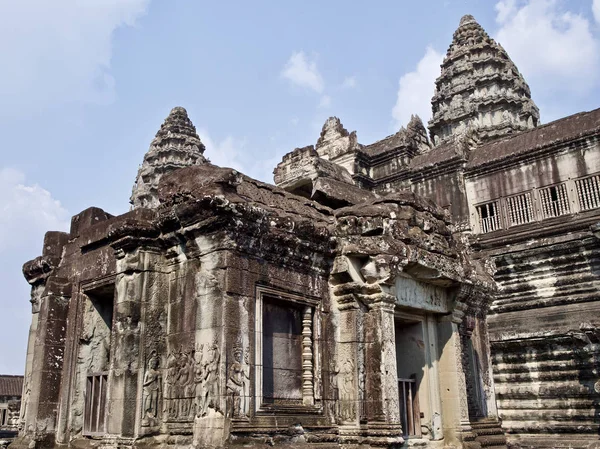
438 155
386 144
405 231
210 181
479 86
414 134
565 129
11 385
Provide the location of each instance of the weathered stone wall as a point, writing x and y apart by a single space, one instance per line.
163 312
542 322
543 332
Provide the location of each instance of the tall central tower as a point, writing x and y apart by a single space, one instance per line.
479 88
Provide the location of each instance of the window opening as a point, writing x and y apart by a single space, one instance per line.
285 350
489 217
519 209
588 191
554 201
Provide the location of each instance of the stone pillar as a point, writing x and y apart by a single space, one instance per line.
46 368
152 345
308 395
382 404
347 369
129 362
457 428
36 297
37 272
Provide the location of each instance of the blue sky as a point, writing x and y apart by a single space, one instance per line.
85 85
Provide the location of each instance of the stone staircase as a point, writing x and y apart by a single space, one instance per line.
489 433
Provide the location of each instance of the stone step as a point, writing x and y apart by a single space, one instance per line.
491 441
489 431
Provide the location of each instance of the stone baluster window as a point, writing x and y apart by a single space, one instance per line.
489 217
588 192
285 350
519 209
554 201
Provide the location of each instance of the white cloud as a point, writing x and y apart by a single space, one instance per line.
303 72
325 101
505 9
226 153
416 89
58 52
233 152
27 211
554 48
596 10
349 82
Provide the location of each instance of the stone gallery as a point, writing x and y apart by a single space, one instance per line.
436 291
10 401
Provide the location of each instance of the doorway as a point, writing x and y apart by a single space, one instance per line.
95 345
411 362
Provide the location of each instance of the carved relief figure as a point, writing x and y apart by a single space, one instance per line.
335 392
179 386
185 379
170 381
206 375
237 383
198 382
25 401
347 409
151 390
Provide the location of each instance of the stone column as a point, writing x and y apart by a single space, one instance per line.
347 369
46 369
382 404
127 367
457 428
36 297
308 395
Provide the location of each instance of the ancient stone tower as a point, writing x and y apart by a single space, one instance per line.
479 88
176 145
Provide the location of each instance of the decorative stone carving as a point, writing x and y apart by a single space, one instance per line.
347 390
151 391
179 389
476 91
335 140
238 384
307 358
207 380
334 403
176 145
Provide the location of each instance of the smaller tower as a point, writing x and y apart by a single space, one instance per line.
176 145
337 145
479 88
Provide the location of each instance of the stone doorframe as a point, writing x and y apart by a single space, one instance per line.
431 401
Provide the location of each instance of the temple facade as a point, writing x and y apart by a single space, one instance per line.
432 289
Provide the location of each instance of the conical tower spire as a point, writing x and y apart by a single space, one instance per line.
176 145
479 88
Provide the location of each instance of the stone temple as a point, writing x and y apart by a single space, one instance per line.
433 289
